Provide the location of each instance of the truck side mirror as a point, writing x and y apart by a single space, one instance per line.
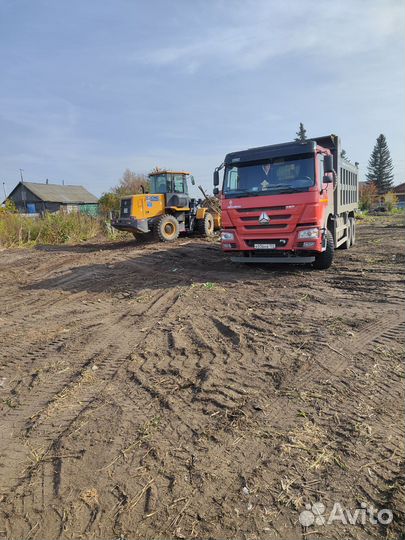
328 164
215 191
327 179
216 178
192 181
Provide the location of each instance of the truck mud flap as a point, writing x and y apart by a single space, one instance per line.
274 260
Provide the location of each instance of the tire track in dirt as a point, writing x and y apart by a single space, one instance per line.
229 392
42 404
378 429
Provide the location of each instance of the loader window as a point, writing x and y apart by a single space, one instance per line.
179 183
159 184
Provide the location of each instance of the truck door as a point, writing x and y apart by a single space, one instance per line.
178 196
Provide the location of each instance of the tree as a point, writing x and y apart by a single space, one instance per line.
301 133
368 194
109 203
130 183
380 167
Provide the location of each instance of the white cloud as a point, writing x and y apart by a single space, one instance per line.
259 31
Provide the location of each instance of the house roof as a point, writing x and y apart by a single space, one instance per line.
400 188
59 193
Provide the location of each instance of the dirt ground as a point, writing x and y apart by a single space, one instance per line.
154 391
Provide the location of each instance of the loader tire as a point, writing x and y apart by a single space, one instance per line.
324 260
166 228
205 226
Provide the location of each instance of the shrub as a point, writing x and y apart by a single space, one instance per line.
8 208
109 204
61 228
368 193
391 200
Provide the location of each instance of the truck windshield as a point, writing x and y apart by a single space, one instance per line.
268 177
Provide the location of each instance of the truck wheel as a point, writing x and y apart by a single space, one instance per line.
205 226
166 228
353 228
324 260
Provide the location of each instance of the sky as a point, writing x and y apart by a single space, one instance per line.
90 88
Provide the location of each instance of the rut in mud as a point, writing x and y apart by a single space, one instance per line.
154 391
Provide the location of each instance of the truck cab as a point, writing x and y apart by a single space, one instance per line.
291 202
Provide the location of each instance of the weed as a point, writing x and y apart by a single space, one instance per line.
60 228
9 403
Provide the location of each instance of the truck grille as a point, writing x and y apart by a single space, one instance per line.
266 226
272 216
281 218
260 210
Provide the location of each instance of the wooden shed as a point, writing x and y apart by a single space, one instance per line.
36 198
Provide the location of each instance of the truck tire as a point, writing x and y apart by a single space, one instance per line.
324 260
205 226
353 228
166 228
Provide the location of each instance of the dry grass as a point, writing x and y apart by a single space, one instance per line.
309 444
17 230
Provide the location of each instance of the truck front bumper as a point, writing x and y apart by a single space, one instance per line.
131 225
275 247
288 259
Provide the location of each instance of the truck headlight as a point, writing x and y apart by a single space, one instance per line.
227 235
309 233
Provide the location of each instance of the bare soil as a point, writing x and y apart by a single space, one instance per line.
160 391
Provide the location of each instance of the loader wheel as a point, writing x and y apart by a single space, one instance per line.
205 226
324 260
166 228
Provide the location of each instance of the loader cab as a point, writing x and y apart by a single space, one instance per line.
174 185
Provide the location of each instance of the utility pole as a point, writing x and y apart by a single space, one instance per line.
4 189
21 174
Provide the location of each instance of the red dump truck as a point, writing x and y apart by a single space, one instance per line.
288 203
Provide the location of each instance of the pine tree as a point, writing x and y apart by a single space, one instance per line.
301 133
380 166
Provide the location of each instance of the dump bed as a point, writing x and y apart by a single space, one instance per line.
346 193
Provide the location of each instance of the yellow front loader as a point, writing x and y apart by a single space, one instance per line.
167 210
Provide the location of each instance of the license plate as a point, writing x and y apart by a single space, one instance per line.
264 246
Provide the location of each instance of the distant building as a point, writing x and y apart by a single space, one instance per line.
399 191
35 198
